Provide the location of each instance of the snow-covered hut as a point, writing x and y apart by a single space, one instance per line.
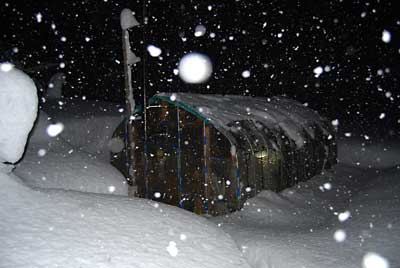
209 153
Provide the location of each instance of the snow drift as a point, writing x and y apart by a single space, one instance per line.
51 162
70 229
367 154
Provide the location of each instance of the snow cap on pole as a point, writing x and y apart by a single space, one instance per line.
127 19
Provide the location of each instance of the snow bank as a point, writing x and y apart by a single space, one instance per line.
71 229
51 162
88 125
366 154
18 107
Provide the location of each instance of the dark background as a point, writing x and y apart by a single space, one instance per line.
345 35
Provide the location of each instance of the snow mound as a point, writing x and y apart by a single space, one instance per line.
71 229
54 89
88 125
364 154
18 108
51 162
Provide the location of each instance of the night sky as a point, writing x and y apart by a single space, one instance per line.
280 42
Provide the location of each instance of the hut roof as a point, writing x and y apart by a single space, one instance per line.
252 118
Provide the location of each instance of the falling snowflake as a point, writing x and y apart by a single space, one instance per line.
386 36
42 152
173 97
172 249
335 122
344 216
111 188
374 260
195 68
339 236
318 71
39 17
327 186
154 51
246 74
54 129
182 237
200 30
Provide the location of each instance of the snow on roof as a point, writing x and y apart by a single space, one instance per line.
251 117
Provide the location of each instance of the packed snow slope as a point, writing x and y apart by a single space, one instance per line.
72 229
348 217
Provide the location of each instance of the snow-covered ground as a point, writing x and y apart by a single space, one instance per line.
349 217
71 229
59 228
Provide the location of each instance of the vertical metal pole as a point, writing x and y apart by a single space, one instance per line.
205 168
179 159
238 190
262 170
146 179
